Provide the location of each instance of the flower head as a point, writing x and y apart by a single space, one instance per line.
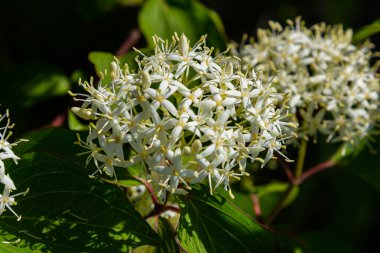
186 116
332 88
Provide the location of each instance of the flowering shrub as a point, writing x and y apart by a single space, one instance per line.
187 145
187 116
332 88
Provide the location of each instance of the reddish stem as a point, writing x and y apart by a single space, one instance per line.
256 205
150 190
159 209
128 44
317 168
286 169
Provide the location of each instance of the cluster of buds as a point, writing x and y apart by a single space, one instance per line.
185 116
332 88
7 200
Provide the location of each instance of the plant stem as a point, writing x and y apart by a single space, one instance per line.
280 205
317 168
300 161
293 183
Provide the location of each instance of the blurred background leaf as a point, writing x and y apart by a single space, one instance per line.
164 17
367 31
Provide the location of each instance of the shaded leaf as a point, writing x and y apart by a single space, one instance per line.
65 210
315 242
34 83
210 223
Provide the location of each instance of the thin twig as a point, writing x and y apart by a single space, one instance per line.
286 169
256 205
317 168
150 190
130 42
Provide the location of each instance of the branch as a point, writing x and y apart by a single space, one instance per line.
317 168
130 42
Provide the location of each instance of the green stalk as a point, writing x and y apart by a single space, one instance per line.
300 160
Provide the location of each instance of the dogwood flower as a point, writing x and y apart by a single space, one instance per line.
331 86
185 115
6 152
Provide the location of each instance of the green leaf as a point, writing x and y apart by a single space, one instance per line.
9 248
65 210
74 123
32 84
367 31
102 62
164 17
210 223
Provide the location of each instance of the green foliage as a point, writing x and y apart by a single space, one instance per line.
9 248
164 17
367 31
210 223
65 210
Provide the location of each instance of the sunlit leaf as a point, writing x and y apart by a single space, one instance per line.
6 247
210 223
65 210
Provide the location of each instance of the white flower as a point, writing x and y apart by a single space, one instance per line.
6 152
6 201
179 115
331 87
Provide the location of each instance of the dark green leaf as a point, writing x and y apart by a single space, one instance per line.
210 223
316 242
33 83
164 17
65 210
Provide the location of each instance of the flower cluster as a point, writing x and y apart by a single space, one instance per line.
6 200
332 88
186 115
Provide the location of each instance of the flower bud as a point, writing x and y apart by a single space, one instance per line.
183 45
145 80
196 147
86 114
